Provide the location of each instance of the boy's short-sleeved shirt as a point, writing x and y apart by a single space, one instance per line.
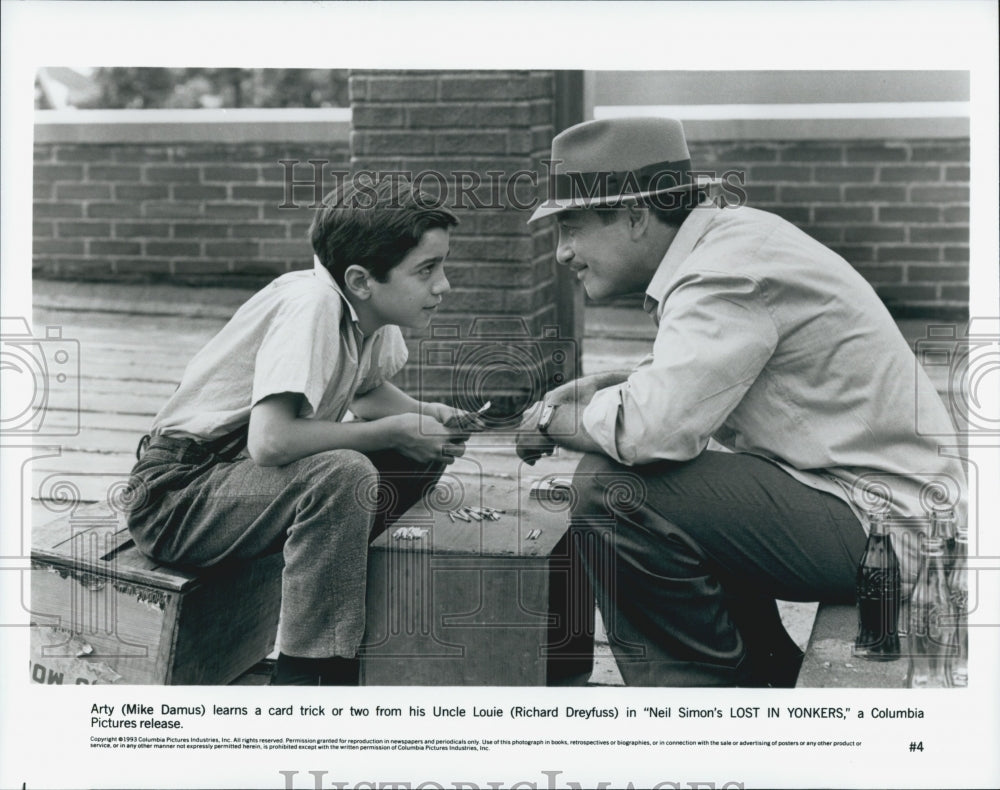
297 335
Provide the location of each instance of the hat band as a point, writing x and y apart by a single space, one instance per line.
606 185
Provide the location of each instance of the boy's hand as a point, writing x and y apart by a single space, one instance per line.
469 421
426 440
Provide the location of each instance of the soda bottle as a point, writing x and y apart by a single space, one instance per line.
878 595
943 527
958 588
931 630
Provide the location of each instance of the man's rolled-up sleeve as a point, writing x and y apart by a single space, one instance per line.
715 337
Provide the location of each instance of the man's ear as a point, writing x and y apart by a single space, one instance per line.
638 220
356 279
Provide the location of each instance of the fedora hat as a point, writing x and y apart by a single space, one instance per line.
614 160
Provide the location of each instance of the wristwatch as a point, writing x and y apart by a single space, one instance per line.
548 410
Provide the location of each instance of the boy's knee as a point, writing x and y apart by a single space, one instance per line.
349 463
334 474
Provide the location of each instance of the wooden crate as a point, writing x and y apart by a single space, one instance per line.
479 602
103 613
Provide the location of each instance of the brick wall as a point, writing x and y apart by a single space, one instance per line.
191 213
897 210
499 122
197 212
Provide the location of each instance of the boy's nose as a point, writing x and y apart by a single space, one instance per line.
442 286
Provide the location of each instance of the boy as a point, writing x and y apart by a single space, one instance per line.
251 454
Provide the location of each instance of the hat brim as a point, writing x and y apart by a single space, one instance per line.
555 206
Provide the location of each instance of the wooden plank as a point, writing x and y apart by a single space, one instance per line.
116 385
84 489
143 299
104 440
72 521
153 364
75 462
127 326
88 541
86 420
49 529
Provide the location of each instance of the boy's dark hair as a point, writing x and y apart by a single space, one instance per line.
373 224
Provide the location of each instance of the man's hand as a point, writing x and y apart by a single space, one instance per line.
426 440
531 443
580 391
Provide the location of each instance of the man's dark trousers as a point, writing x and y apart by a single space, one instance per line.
687 559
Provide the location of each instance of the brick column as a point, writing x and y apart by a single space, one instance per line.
494 127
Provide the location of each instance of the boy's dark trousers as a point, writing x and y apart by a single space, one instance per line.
194 509
687 559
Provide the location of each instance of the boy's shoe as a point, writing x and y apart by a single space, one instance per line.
297 671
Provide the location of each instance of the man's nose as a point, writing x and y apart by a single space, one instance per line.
564 252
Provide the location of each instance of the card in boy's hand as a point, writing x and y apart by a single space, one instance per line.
469 421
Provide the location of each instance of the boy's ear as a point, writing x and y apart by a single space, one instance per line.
357 278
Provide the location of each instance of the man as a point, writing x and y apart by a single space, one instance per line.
769 346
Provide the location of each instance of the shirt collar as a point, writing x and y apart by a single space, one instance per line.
321 272
687 238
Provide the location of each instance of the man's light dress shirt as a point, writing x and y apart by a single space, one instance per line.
772 344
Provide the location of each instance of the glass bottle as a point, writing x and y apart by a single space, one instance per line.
943 527
932 630
958 588
878 595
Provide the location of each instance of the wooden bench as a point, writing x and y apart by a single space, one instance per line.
101 612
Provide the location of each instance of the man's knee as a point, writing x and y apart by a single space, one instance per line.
602 486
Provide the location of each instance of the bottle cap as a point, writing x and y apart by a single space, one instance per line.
877 521
945 515
943 523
